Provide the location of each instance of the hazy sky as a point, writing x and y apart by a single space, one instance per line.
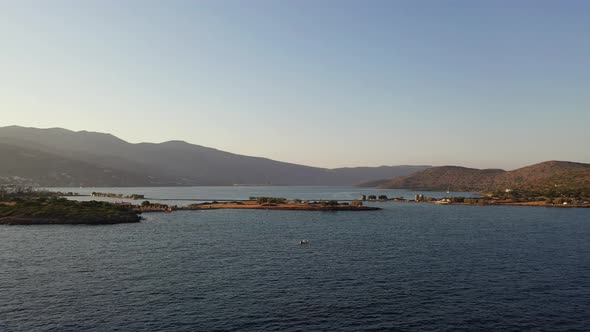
323 83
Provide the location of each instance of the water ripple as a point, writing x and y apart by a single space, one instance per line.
407 267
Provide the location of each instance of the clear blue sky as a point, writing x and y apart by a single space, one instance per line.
323 83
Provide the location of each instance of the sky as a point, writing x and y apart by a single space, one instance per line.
489 84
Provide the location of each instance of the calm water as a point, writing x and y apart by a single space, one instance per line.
407 267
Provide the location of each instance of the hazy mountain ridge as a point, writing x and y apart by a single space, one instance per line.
541 176
120 163
373 183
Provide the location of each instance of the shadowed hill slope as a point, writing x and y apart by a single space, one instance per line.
34 167
146 164
446 177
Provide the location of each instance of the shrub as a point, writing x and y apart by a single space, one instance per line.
273 200
357 202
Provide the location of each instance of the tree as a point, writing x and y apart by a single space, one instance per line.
457 199
271 200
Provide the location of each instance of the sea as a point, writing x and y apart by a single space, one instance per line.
407 267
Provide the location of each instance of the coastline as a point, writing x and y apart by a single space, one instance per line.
252 205
493 203
530 204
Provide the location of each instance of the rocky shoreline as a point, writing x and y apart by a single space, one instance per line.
62 221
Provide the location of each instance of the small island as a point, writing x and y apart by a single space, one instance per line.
276 203
63 211
29 207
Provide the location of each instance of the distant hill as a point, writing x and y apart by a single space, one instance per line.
60 157
545 175
446 177
373 183
549 174
356 175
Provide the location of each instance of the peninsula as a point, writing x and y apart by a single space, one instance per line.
272 203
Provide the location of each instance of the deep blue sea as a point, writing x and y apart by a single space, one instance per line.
413 267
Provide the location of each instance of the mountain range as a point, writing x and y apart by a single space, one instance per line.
64 158
541 176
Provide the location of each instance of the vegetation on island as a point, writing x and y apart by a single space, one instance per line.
43 207
279 203
147 206
270 200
